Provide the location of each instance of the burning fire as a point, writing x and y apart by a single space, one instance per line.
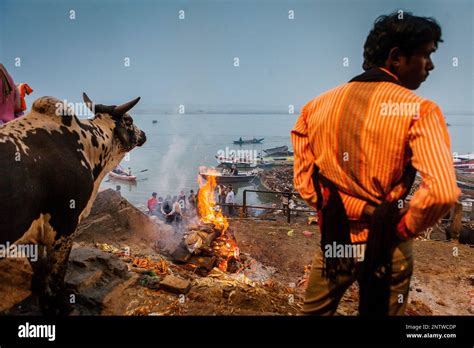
207 204
224 245
227 249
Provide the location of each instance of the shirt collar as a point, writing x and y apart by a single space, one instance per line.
377 75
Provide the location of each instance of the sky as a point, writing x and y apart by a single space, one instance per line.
190 61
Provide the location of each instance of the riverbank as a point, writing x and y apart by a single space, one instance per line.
277 256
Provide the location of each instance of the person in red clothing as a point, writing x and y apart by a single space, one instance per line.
357 149
9 96
152 204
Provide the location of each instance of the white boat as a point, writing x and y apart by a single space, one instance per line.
223 177
239 162
121 175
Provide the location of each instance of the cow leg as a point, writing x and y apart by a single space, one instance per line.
39 271
53 298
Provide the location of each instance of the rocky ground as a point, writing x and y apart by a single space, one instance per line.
104 280
278 179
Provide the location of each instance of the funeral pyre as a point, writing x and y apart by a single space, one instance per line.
208 239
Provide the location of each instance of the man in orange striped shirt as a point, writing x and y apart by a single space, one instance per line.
357 148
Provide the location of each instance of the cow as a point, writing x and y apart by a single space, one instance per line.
51 166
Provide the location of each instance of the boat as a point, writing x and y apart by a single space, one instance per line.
466 165
119 174
251 141
281 154
124 177
268 162
154 121
224 178
278 151
463 157
239 162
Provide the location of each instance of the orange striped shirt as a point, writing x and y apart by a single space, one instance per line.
361 135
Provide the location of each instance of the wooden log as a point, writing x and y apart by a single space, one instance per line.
203 262
202 229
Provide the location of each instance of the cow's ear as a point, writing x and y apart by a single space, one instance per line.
89 103
100 108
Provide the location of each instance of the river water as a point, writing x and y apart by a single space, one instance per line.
177 145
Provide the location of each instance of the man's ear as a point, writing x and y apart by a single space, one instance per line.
394 57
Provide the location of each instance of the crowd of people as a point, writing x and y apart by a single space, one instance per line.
226 199
231 171
172 209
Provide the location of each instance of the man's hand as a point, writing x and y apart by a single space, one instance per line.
368 211
402 230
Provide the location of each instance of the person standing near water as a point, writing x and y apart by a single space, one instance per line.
230 201
152 204
357 149
182 201
192 200
221 195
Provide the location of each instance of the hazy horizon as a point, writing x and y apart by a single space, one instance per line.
190 61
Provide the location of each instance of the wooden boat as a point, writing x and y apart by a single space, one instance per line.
122 176
222 178
238 162
466 166
251 141
268 162
280 151
277 149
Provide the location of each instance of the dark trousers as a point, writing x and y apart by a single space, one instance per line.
323 295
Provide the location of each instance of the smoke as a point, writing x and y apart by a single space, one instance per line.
171 178
167 238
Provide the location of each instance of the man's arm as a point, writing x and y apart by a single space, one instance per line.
304 166
438 192
173 210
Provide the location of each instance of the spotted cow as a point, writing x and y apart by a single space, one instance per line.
51 166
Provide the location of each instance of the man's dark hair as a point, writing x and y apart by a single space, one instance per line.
398 29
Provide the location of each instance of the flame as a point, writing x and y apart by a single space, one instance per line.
227 249
223 245
207 203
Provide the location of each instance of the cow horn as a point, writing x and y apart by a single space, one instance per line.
122 109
